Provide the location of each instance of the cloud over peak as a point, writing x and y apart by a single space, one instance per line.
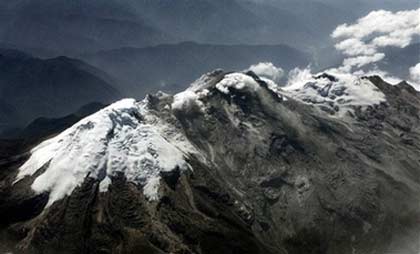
268 70
415 76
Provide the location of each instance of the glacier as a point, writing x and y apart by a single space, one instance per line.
123 137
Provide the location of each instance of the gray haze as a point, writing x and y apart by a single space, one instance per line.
67 27
143 46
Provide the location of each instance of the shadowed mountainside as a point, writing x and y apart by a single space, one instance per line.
32 87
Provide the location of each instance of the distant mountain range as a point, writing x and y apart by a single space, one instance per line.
31 87
232 21
44 126
77 26
68 27
172 67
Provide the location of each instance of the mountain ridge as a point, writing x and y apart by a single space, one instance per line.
263 170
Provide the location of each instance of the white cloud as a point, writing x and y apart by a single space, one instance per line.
298 77
415 73
268 70
354 47
362 60
189 100
415 76
363 40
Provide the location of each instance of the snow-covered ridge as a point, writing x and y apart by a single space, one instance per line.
124 137
130 138
336 94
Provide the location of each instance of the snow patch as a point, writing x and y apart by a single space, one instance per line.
122 138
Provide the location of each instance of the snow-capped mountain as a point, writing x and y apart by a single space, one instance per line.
234 164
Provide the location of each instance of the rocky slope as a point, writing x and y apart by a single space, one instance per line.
234 164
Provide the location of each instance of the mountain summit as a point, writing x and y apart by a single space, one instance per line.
233 164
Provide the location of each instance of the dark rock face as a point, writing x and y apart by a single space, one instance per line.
281 177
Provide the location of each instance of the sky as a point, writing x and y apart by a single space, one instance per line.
363 40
